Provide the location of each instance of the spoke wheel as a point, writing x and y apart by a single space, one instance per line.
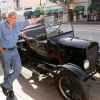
71 88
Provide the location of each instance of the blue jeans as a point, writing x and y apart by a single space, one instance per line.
11 64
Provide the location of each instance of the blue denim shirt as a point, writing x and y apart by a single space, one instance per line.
8 39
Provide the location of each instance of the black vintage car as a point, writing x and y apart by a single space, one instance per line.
70 60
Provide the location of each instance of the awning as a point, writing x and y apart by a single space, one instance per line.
53 10
94 6
28 13
49 10
79 10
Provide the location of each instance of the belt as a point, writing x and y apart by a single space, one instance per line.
9 48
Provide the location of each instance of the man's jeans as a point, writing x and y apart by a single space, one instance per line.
11 66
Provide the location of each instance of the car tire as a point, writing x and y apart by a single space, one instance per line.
70 87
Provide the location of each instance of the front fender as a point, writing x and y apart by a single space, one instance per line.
75 70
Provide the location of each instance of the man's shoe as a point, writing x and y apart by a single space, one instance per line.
5 91
11 94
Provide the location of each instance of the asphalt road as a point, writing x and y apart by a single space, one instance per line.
85 31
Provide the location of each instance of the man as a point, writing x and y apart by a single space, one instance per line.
0 15
9 32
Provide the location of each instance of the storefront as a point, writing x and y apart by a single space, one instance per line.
94 10
96 1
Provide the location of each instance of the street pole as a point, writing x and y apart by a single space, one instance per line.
70 15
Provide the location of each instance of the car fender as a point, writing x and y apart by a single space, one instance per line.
76 70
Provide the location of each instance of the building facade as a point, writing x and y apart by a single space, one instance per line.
6 5
29 3
84 3
96 1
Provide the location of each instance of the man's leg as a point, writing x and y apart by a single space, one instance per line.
12 68
15 66
6 60
15 70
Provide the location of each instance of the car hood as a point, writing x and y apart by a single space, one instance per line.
72 42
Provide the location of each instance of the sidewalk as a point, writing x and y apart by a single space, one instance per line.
26 88
88 22
18 89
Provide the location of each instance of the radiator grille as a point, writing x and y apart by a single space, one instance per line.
92 57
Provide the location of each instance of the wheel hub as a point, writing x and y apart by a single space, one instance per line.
68 91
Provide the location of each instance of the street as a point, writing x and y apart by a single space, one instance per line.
27 89
84 31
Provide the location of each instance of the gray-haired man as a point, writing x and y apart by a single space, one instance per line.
9 32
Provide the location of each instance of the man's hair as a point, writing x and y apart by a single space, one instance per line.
11 13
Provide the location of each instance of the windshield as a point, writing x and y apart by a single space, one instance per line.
56 22
89 30
56 28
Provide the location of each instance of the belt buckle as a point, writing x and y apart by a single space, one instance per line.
4 49
11 48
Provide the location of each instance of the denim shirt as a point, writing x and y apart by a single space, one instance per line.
8 39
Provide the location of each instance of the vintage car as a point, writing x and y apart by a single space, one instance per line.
69 60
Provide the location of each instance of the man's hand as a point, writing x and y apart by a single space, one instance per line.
2 50
42 17
34 21
24 35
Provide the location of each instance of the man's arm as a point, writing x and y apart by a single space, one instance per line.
24 35
1 49
34 21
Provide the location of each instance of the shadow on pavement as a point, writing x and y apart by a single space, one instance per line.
44 89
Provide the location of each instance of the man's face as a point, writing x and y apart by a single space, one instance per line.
11 19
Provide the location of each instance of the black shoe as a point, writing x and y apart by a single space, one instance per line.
5 91
11 94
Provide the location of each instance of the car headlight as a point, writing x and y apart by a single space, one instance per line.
86 64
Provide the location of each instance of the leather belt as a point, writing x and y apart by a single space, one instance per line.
9 48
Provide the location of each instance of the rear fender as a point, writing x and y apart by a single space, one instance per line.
79 73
